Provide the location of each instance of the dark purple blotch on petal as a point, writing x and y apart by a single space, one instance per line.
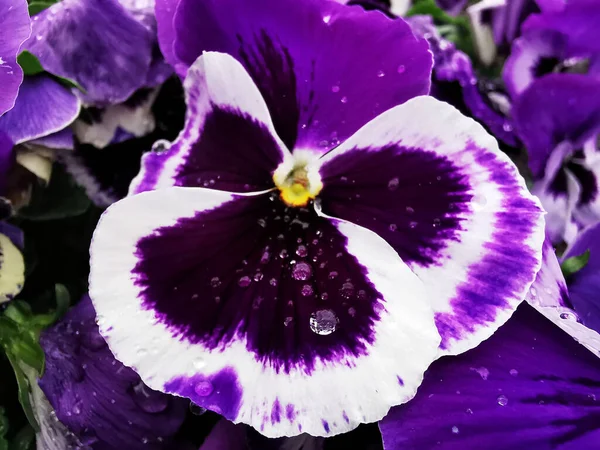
104 403
219 392
413 198
254 269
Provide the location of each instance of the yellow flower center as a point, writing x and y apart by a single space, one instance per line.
297 185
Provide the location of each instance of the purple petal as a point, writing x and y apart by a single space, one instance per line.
104 403
258 311
61 140
584 284
15 28
528 386
453 7
43 107
14 233
7 159
303 56
556 108
97 43
228 142
436 187
453 71
226 435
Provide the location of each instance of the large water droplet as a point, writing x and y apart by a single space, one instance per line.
161 145
502 400
393 184
244 281
204 388
149 400
301 251
301 271
323 322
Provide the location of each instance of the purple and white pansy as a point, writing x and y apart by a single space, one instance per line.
313 230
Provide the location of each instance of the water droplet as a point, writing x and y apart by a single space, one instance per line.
302 271
204 388
479 201
455 430
351 311
244 281
393 227
273 282
323 322
381 74
410 210
401 68
592 397
482 371
335 89
507 127
149 400
258 276
288 320
347 290
502 400
196 410
393 184
307 290
324 296
513 372
568 316
76 408
533 292
199 363
266 256
326 18
262 222
283 254
301 251
469 411
413 225
344 100
215 282
160 146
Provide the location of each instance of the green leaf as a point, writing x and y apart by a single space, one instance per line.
63 299
29 352
38 6
24 439
62 198
29 63
19 312
23 385
575 264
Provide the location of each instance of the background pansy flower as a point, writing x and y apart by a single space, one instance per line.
15 28
278 307
561 38
103 403
558 120
530 378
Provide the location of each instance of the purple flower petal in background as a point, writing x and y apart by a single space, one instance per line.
102 402
549 287
584 285
43 107
453 7
97 43
15 28
455 81
558 121
556 40
269 299
61 140
303 56
528 386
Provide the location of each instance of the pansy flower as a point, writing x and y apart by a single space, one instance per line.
558 120
102 403
306 247
564 37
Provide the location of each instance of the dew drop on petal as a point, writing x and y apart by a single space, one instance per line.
199 363
347 290
324 296
288 320
332 274
215 282
351 311
258 276
307 290
344 100
301 271
483 372
568 316
160 146
204 388
335 88
469 411
273 282
262 222
513 372
410 210
323 322
502 400
401 68
301 251
381 74
393 227
413 225
244 281
393 184
196 409
455 430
